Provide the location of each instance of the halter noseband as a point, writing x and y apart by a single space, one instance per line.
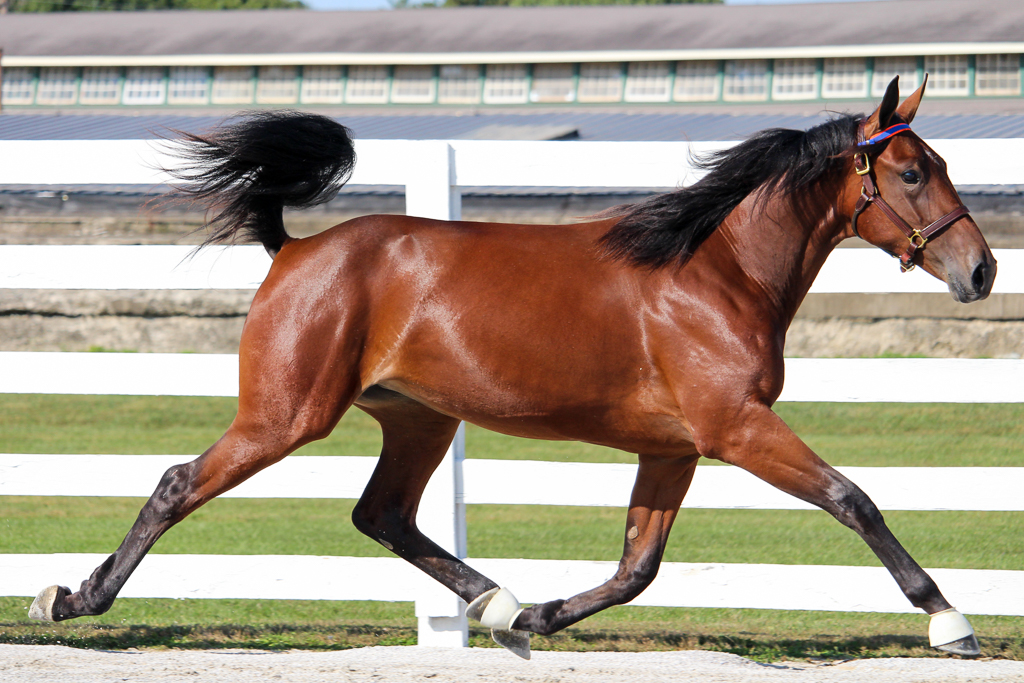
869 195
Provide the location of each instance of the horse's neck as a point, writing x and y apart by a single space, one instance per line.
780 248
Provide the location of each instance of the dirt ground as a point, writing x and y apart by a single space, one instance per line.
39 663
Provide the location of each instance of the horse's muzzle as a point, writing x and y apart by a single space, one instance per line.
976 284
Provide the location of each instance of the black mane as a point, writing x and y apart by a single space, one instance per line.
669 227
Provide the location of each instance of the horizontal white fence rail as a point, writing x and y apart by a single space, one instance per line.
479 163
304 577
432 172
847 271
843 380
523 482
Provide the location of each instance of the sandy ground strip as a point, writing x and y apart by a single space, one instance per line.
39 663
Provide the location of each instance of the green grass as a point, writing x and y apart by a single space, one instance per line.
863 434
233 526
845 434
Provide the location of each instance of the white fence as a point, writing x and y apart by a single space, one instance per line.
432 172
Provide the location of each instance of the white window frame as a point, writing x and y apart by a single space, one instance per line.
886 68
232 85
746 80
277 84
458 84
795 79
697 81
600 82
100 85
367 84
506 84
648 82
843 77
997 75
57 85
553 83
18 85
188 85
413 84
144 85
948 75
323 84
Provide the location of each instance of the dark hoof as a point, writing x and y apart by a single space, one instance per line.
965 646
515 641
42 606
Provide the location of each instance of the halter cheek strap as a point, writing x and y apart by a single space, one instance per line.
869 195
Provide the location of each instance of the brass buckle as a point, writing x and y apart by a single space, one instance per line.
918 245
867 164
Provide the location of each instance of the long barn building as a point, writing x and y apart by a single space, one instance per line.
716 57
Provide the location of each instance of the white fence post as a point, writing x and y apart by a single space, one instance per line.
430 192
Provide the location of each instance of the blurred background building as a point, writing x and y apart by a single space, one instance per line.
621 72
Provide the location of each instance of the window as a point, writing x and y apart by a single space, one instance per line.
321 84
505 84
57 85
144 85
100 85
17 86
232 85
996 75
887 68
847 77
553 83
794 79
696 82
648 82
600 83
947 74
277 85
412 84
459 84
746 80
367 85
188 85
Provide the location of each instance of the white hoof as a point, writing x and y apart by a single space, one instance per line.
951 632
497 608
42 606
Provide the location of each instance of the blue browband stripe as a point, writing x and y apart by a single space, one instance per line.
885 134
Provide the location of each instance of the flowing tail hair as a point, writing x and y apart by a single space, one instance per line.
245 172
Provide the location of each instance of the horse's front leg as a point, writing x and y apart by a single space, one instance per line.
660 486
761 443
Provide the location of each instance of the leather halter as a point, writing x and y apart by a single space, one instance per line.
869 195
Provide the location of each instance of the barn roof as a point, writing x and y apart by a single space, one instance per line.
898 26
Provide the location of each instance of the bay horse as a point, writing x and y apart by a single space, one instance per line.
655 328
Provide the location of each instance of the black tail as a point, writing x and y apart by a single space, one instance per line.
246 172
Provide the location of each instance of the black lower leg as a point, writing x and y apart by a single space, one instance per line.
854 509
160 513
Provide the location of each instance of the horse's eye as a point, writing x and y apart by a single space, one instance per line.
910 177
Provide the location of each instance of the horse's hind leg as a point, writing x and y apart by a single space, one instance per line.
415 440
658 492
282 405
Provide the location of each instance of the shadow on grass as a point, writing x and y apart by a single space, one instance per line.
205 637
758 647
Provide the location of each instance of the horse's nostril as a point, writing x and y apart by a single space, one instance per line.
978 277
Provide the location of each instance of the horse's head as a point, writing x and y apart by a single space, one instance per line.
908 206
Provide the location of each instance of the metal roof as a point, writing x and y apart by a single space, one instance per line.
589 126
519 30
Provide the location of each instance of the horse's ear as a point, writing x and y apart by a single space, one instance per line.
879 118
908 108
